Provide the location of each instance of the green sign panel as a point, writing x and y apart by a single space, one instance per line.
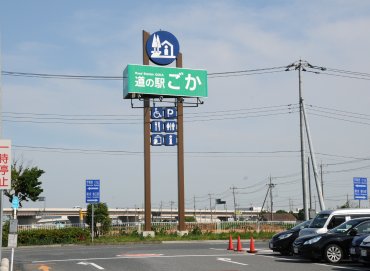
162 81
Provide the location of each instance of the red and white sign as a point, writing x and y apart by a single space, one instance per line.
5 164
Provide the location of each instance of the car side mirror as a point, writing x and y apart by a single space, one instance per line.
353 232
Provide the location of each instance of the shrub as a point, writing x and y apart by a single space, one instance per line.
54 236
196 231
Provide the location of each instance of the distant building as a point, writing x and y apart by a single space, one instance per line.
279 217
255 209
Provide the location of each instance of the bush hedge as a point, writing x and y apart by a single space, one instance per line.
53 236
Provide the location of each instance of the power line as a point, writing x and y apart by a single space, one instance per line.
338 110
348 162
61 149
344 76
346 120
106 77
61 76
91 121
338 114
137 115
347 170
245 71
248 72
348 72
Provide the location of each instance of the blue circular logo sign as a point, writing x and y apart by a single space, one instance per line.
162 47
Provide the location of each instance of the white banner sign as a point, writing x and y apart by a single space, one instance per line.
5 164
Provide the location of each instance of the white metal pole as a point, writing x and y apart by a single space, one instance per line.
12 255
12 260
92 222
313 161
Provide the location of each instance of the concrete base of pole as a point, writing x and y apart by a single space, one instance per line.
4 264
148 234
182 233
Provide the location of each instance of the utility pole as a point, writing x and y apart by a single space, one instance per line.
171 203
271 185
303 66
263 204
317 181
309 182
160 212
290 205
303 169
210 206
194 206
322 180
233 188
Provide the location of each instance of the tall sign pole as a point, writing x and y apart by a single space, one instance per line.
147 181
180 156
149 82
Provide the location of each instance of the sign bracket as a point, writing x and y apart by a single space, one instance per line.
187 102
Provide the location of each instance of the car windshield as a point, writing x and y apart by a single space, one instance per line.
344 227
319 221
302 225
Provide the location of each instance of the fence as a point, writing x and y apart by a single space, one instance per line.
171 227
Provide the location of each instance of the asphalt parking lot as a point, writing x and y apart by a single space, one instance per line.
208 256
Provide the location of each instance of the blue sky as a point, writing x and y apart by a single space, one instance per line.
101 38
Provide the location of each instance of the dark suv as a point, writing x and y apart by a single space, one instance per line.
282 242
334 245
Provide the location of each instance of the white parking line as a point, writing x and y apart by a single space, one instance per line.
228 260
139 257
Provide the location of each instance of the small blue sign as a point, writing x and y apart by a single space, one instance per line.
360 188
170 113
162 47
15 202
170 126
170 140
156 126
157 113
156 139
92 191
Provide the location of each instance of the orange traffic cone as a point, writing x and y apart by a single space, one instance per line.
231 245
251 246
239 245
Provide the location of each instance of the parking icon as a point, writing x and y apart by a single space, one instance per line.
170 113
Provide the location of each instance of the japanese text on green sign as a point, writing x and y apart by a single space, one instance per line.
161 81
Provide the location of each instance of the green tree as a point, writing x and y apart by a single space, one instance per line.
300 215
101 216
345 205
281 212
25 183
190 219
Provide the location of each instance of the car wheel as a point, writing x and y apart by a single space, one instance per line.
333 253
